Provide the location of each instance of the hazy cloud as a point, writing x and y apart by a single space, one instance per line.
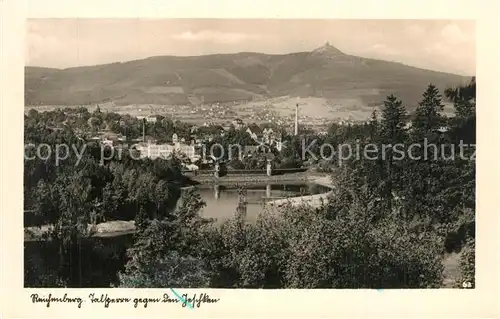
443 45
39 47
383 49
415 30
453 33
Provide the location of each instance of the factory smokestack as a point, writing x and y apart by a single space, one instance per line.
144 130
297 119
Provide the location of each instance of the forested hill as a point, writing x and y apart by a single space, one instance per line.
325 72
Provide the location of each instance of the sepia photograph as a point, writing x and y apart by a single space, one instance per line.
249 153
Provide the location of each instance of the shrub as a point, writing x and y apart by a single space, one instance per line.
467 264
303 247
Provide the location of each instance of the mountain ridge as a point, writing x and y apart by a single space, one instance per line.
324 72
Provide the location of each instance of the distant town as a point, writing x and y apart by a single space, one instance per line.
267 134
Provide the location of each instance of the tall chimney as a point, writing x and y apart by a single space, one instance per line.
297 119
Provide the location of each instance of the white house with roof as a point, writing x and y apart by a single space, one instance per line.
238 123
253 134
149 118
165 151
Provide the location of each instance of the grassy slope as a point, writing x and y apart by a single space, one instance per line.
451 271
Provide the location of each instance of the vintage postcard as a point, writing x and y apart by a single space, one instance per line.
243 166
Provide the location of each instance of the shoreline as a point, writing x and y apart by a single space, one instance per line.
122 227
236 180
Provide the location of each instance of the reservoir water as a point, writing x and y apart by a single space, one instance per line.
221 201
103 258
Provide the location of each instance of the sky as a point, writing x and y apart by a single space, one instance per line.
442 45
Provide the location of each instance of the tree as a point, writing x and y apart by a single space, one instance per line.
151 243
170 271
94 123
464 124
189 221
421 194
373 125
46 202
392 132
72 226
378 250
67 198
392 125
166 246
68 206
386 225
467 265
466 92
155 262
236 163
303 247
427 118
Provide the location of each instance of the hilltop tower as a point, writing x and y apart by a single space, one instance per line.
327 51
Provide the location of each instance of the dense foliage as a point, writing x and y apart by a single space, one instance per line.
388 223
83 190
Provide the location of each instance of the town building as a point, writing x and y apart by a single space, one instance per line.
165 151
109 138
254 131
266 137
250 150
237 123
153 151
149 118
107 142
